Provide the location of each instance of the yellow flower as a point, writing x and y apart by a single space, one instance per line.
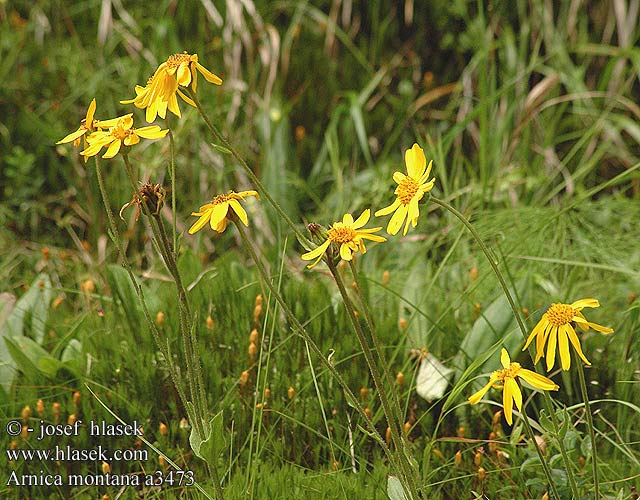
411 188
88 125
217 212
349 235
557 327
505 379
122 132
159 94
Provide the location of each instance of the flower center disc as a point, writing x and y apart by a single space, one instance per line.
221 198
176 59
341 233
560 314
407 189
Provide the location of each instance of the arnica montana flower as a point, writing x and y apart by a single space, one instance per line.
411 188
557 327
216 213
88 125
348 235
159 94
505 379
122 132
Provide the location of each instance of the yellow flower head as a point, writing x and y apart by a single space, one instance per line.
348 235
217 212
121 132
411 188
505 379
88 125
159 94
557 327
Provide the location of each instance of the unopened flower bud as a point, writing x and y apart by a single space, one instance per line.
257 313
473 274
267 393
402 324
40 407
209 323
244 378
72 419
457 460
77 395
400 379
367 412
291 392
385 278
477 459
106 468
387 435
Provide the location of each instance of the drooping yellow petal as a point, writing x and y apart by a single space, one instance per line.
551 347
113 149
476 397
576 344
316 254
73 136
563 345
208 75
389 209
219 213
507 400
395 223
536 380
237 208
201 222
346 252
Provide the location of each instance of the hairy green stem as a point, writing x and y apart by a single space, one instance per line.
263 191
139 292
300 329
523 329
172 174
394 425
592 432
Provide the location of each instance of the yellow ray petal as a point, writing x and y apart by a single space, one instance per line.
551 347
563 345
536 380
575 342
209 76
389 209
113 149
201 222
415 161
362 220
237 208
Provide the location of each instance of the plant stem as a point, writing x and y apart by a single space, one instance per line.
394 425
592 433
376 341
172 174
516 313
543 462
300 329
263 191
152 326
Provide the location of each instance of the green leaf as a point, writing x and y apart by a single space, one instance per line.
394 489
209 448
222 149
30 357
